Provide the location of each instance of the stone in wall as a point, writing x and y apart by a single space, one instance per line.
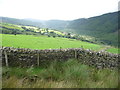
29 57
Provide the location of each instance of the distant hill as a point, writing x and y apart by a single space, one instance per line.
103 27
53 24
21 21
107 23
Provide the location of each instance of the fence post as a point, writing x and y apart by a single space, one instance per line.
6 58
38 62
75 54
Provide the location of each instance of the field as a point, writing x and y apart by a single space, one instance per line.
68 74
10 26
46 48
44 42
115 50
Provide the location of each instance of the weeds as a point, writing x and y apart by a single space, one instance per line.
68 74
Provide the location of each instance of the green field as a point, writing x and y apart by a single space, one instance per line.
10 26
115 50
44 42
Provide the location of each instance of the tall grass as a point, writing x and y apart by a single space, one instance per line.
68 74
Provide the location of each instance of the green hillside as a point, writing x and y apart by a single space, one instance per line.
104 27
8 28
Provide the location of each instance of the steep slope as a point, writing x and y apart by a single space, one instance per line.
104 27
107 23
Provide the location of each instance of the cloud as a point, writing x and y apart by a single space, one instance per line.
56 9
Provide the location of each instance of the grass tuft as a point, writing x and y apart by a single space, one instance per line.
68 74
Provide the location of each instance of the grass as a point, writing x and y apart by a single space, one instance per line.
57 32
11 26
44 42
68 74
113 50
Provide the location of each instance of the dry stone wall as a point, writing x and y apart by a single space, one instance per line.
28 57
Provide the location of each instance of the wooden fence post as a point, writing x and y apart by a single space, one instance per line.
6 58
38 60
75 54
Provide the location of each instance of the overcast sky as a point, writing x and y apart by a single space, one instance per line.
56 9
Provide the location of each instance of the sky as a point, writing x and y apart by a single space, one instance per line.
56 9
